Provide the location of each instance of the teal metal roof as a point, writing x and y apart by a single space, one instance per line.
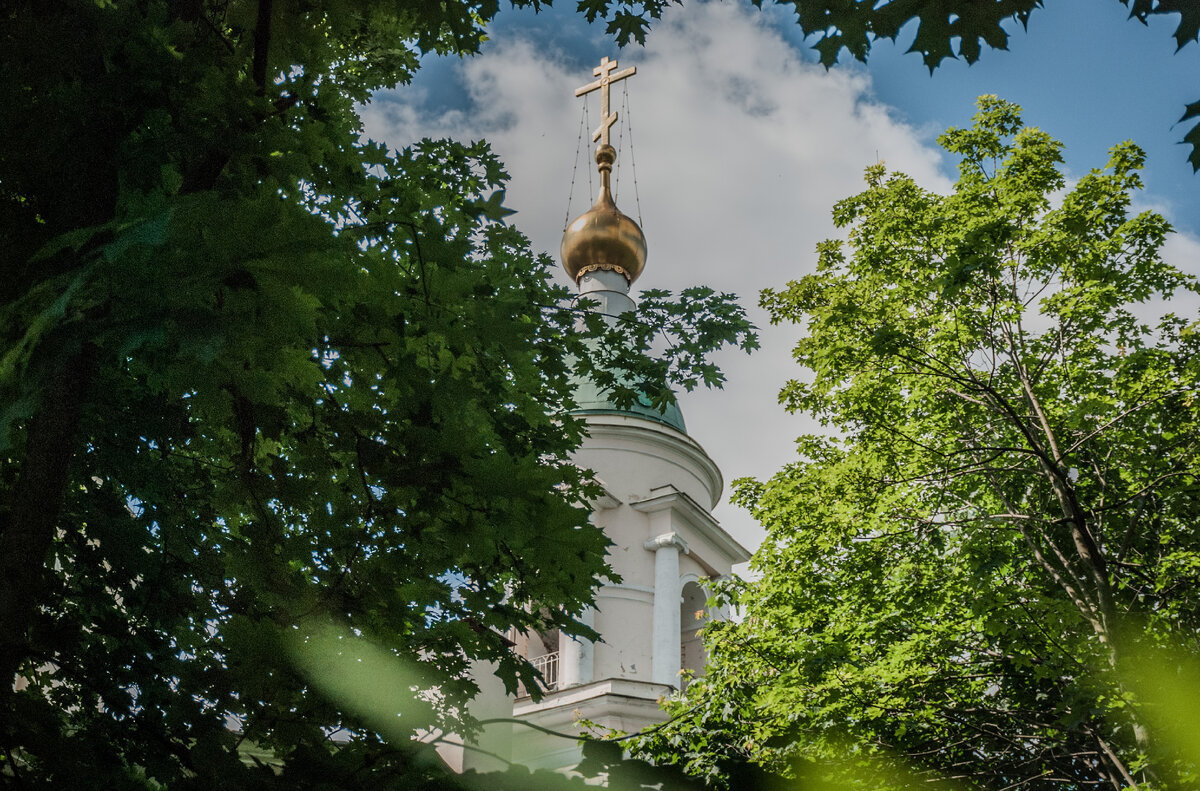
593 401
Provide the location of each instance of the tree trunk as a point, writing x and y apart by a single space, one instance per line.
32 510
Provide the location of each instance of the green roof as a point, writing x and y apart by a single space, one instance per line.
593 401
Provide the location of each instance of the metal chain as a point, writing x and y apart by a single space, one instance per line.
616 185
591 189
632 159
575 167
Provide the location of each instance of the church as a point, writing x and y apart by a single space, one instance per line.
660 488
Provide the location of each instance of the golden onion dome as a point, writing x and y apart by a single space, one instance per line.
602 237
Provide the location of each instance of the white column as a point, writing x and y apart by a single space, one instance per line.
576 655
666 639
610 290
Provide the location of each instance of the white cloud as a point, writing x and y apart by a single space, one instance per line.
742 148
1181 250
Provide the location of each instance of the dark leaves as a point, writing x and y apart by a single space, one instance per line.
329 381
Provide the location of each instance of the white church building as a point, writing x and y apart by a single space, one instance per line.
660 488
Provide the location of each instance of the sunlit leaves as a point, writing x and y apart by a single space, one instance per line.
950 580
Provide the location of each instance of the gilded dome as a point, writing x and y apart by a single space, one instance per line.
602 237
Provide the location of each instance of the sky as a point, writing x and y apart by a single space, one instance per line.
743 143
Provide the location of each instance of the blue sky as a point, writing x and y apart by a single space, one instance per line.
1083 71
744 143
1086 74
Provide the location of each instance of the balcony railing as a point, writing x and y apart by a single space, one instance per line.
547 665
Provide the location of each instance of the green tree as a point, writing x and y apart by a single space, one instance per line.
1005 508
256 370
944 29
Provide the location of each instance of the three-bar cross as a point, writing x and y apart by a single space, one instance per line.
607 78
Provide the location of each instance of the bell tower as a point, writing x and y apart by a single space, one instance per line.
659 491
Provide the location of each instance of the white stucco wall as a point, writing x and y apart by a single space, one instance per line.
660 489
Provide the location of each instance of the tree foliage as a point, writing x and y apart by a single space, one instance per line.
944 29
256 369
958 577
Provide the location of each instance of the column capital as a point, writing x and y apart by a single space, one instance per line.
671 539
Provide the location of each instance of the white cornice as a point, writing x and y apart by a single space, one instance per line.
698 518
572 697
606 500
665 440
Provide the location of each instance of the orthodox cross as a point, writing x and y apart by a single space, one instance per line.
607 78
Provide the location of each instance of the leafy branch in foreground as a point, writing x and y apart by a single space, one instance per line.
257 370
666 341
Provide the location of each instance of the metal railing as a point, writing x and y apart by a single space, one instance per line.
547 665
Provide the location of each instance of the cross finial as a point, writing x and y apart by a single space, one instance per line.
607 78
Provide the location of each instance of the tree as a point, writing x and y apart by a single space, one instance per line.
944 29
256 372
957 578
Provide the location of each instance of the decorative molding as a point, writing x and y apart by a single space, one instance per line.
698 518
606 501
609 688
671 539
603 266
635 593
627 587
656 437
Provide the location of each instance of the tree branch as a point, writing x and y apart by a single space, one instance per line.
262 45
33 508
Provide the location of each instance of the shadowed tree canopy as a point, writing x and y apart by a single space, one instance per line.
257 371
958 578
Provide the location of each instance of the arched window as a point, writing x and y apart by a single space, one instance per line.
693 615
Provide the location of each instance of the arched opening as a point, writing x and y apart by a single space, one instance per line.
693 615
